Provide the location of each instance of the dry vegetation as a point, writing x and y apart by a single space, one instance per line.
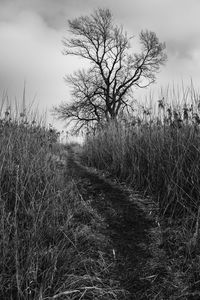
157 151
51 246
53 239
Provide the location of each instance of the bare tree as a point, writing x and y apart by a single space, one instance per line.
103 91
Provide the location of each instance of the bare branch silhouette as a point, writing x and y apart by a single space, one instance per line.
102 92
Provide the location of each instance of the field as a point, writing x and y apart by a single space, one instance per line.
157 152
51 241
115 218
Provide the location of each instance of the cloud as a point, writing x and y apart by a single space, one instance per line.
181 49
54 12
32 51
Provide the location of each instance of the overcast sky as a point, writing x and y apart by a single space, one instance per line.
31 32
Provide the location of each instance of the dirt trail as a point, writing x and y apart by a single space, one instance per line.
128 226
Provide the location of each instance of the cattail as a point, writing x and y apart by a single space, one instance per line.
196 118
185 113
161 103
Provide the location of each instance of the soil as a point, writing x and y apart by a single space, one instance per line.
131 227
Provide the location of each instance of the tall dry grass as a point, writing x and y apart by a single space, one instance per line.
50 244
157 150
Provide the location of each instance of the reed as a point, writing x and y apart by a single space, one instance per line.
156 150
45 253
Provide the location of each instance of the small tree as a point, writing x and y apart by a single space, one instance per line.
104 90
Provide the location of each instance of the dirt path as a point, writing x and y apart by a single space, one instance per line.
129 225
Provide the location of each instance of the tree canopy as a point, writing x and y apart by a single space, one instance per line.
104 90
